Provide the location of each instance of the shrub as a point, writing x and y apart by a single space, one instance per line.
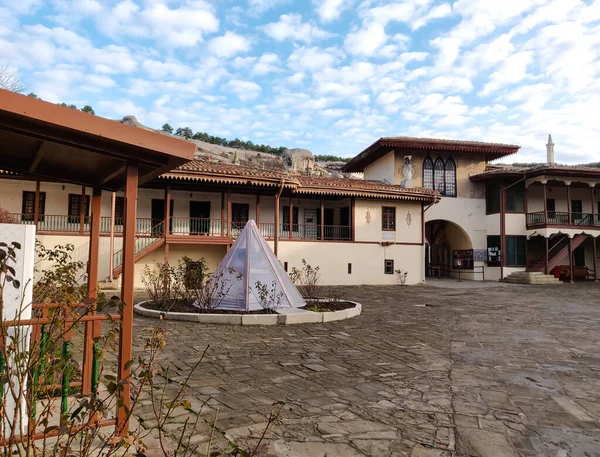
269 298
306 279
6 217
215 289
402 276
162 284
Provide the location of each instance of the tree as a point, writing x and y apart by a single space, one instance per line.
33 95
68 106
167 128
185 132
88 109
10 79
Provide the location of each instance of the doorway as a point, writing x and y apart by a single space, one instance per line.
576 211
311 228
158 215
328 223
199 218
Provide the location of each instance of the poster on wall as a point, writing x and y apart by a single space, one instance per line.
480 255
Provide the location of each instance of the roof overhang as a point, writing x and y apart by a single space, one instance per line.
382 146
49 141
548 172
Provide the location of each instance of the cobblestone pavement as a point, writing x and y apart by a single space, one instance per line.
425 371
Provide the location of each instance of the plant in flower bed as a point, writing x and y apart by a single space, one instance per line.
318 299
188 287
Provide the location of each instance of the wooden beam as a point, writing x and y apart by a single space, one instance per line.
92 329
545 203
322 220
353 217
119 171
36 204
82 210
569 206
127 283
258 211
167 219
222 214
291 226
229 210
111 261
38 157
276 221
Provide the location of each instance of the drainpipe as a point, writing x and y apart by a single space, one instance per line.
503 224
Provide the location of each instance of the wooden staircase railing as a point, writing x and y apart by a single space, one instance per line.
145 243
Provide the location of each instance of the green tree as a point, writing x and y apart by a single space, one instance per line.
88 109
33 95
167 128
185 132
68 106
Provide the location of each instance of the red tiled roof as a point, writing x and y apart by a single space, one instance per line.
383 145
571 171
206 170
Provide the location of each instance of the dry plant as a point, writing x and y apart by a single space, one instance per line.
306 279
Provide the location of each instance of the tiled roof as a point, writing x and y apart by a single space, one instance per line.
383 145
206 170
572 171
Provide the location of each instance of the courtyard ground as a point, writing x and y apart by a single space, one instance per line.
443 369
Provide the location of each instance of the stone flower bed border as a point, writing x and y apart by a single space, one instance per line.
284 316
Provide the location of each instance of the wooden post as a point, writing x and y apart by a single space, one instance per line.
258 211
222 213
36 204
571 259
276 221
525 202
547 260
291 217
502 233
595 251
229 211
111 261
593 209
167 223
569 205
322 220
353 217
128 268
91 329
545 203
82 210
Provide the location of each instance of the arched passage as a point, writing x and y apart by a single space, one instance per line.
448 245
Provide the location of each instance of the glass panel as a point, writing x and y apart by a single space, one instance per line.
450 178
428 173
439 176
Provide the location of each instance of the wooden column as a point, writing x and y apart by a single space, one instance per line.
127 283
222 213
111 260
545 203
92 329
526 204
276 221
82 210
595 251
546 257
167 221
353 218
322 220
569 205
229 212
258 211
36 204
571 259
502 232
593 209
291 217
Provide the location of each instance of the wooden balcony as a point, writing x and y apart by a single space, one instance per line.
562 219
184 228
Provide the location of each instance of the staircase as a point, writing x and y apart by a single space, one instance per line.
530 277
556 253
145 243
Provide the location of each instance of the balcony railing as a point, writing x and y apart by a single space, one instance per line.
562 218
190 226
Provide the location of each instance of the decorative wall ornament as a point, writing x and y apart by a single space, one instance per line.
368 217
408 171
408 219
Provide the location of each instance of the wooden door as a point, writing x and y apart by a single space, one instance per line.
199 218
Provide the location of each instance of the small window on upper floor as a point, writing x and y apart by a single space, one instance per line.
450 178
428 173
438 176
388 219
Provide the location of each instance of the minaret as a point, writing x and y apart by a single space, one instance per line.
550 150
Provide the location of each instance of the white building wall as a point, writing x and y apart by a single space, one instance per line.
382 169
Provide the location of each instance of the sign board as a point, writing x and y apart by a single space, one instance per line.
480 255
459 262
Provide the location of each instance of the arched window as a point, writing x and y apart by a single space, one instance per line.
438 176
428 173
450 178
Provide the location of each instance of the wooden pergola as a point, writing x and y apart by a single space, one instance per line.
45 141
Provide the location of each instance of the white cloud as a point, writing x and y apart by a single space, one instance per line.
330 10
314 58
291 27
366 41
244 90
229 44
268 63
513 70
260 6
437 12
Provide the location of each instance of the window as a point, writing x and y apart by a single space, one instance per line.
438 176
388 219
286 218
428 173
515 198
515 251
239 214
349 268
119 210
493 248
388 266
285 266
450 178
492 197
75 207
27 207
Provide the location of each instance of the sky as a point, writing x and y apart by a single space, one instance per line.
331 76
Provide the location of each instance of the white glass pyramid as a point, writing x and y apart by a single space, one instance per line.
252 258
